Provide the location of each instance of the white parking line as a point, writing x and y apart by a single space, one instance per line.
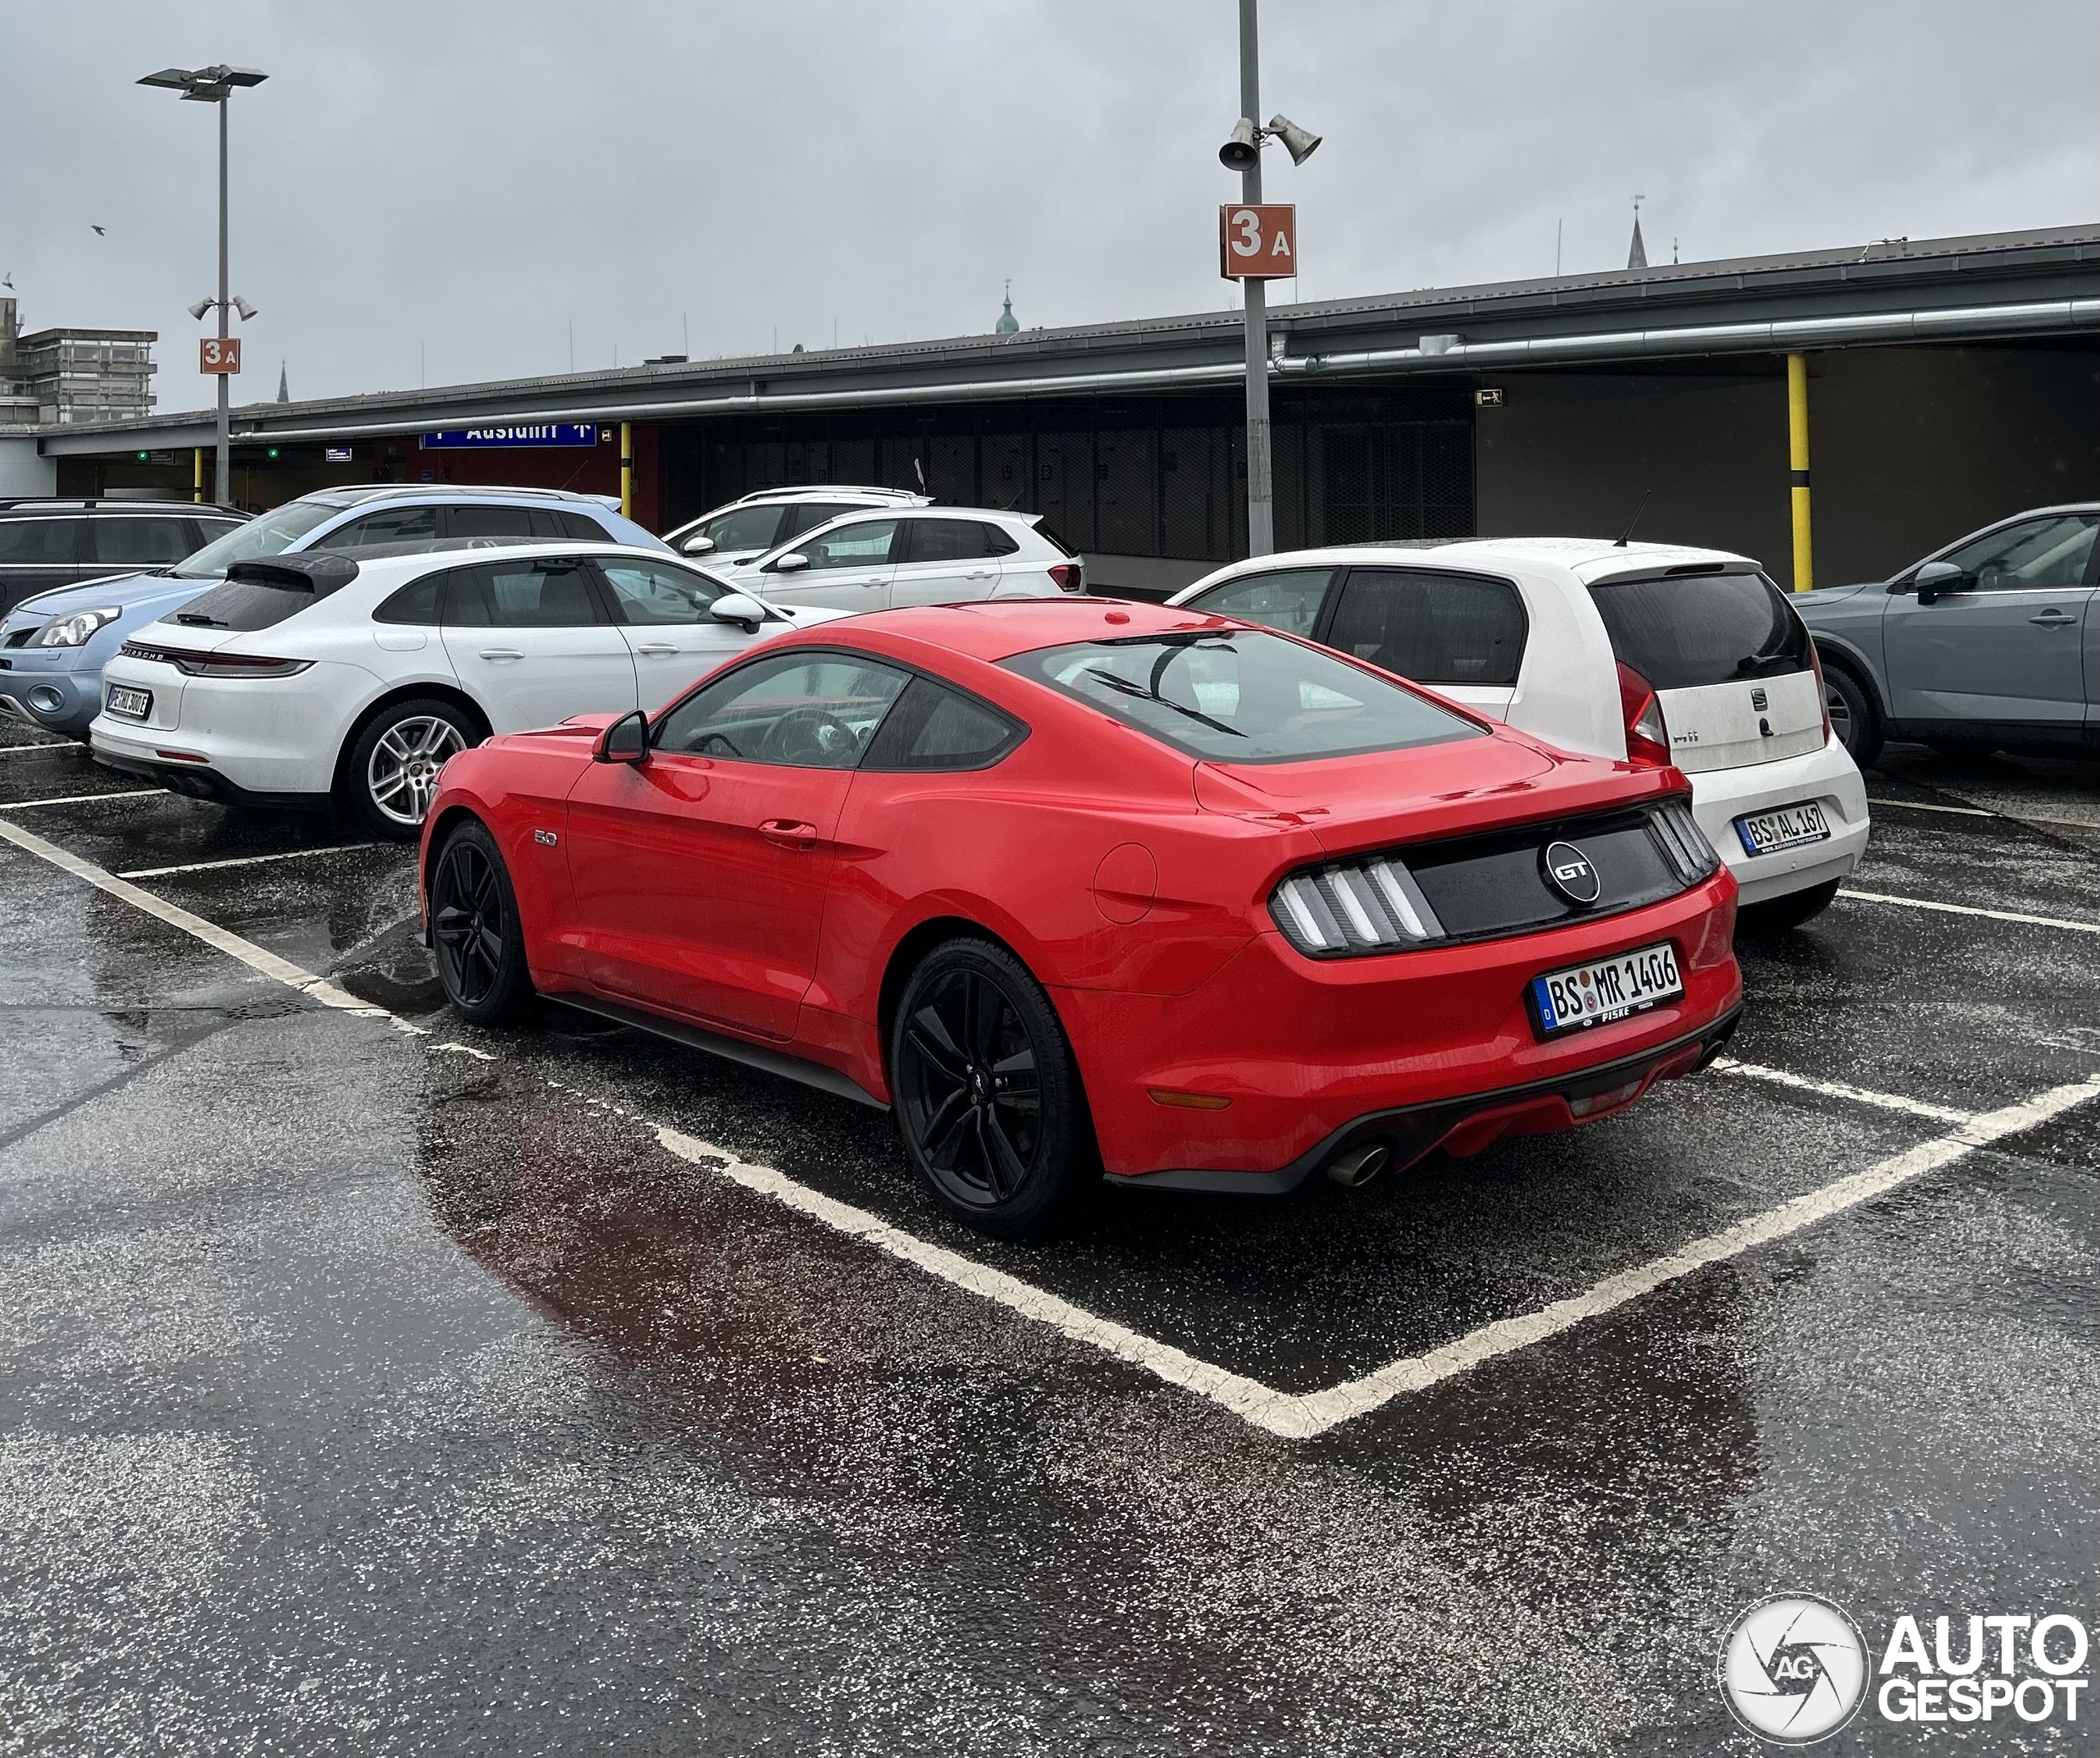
1859 1095
1970 909
30 750
245 860
1290 1416
80 799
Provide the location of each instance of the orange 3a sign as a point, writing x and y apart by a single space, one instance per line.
1257 241
219 353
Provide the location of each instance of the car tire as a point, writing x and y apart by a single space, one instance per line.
477 939
986 1092
1777 915
1854 717
388 774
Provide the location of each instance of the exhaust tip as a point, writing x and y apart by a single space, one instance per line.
1359 1167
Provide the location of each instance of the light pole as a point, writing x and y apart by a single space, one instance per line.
214 85
1242 153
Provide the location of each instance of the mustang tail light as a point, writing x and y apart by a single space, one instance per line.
1683 842
216 664
1065 576
1371 905
1647 734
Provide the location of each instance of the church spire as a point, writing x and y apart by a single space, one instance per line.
284 383
1637 255
1007 323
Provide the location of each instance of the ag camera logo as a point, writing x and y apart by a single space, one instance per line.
1793 1668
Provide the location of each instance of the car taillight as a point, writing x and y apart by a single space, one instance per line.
1683 842
1065 576
1369 905
1822 691
236 665
1647 735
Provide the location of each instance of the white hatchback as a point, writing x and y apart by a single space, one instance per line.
878 559
1647 652
309 680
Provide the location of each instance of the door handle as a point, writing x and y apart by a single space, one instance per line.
789 833
502 653
656 649
2052 619
986 573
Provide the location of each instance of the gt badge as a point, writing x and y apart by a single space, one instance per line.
1569 871
545 838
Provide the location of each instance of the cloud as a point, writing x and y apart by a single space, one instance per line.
473 178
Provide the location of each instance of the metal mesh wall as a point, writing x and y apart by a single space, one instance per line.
1156 476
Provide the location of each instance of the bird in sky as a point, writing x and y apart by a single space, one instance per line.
98 230
7 280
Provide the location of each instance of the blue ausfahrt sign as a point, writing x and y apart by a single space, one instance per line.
544 433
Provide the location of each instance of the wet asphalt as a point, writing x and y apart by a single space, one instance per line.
369 1391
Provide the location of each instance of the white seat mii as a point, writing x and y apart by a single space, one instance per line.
1644 651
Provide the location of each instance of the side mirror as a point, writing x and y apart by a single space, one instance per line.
1935 580
700 545
739 608
625 741
788 563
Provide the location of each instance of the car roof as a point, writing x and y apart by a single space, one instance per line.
824 492
357 494
408 566
1589 560
28 506
993 629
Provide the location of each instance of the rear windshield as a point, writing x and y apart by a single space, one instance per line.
1698 629
1241 695
243 605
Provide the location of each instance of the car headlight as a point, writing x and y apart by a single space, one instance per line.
75 629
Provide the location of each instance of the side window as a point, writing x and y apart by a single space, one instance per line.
937 728
1433 628
416 603
204 531
483 520
396 525
2032 556
998 541
799 516
865 544
555 593
141 541
1289 600
583 528
31 541
465 600
656 592
809 710
745 529
945 540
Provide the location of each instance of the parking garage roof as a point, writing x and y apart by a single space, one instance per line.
2040 281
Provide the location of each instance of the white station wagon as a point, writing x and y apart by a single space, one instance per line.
1643 651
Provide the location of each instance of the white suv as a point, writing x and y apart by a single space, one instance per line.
307 678
745 530
1647 652
873 560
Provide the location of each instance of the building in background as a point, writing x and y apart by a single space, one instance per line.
60 377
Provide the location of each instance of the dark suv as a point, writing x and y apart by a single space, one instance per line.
48 543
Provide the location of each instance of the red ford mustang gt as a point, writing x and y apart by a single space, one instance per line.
1080 887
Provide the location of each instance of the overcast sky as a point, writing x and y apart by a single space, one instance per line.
470 177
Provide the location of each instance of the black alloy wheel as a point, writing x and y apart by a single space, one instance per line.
987 1097
475 933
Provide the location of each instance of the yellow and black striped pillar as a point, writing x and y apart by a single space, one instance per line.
196 475
627 469
1797 450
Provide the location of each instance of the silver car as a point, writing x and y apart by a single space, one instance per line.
1988 644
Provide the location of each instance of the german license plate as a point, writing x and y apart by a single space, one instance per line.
131 704
1612 989
1788 827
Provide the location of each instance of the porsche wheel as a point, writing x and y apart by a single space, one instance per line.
475 933
988 1099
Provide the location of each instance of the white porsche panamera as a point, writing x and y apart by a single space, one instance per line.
307 680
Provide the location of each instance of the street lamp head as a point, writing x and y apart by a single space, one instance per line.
1243 151
200 308
205 84
1297 142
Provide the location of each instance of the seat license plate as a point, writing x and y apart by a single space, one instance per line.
131 704
1788 827
1612 989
